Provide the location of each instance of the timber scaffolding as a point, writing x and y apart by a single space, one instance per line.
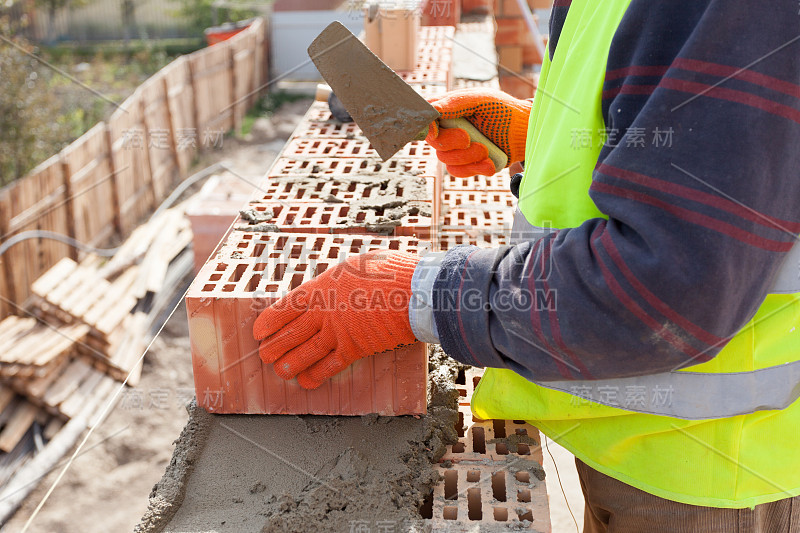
328 195
76 318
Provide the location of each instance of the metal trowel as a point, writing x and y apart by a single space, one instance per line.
387 109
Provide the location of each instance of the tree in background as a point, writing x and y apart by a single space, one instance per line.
129 19
200 14
28 129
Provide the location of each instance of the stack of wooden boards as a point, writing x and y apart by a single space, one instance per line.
86 326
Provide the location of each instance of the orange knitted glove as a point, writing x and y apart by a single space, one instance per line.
502 118
355 309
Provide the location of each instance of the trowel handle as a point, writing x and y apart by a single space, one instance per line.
498 157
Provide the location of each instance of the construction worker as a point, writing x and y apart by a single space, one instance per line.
648 316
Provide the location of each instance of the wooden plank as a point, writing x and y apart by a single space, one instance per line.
119 290
17 426
82 299
6 395
25 345
35 389
63 342
13 335
53 277
52 428
72 405
68 285
67 383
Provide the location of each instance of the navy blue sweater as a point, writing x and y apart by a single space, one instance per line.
696 229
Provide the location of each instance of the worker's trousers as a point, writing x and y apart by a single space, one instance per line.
615 507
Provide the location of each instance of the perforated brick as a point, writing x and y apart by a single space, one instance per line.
493 478
341 218
477 220
489 239
428 74
351 148
498 182
470 199
346 189
251 271
343 166
436 35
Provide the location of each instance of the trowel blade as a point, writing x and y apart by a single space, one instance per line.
386 108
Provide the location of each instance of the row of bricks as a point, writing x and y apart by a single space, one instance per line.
251 269
325 217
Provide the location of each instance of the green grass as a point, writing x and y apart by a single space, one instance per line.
266 107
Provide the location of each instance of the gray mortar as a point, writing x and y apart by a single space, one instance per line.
280 473
394 205
167 495
253 216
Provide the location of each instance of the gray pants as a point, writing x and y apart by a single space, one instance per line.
615 507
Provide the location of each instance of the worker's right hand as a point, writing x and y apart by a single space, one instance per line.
502 118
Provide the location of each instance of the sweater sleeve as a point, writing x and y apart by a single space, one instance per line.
702 194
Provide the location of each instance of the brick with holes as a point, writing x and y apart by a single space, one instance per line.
311 147
411 218
477 220
498 182
489 239
323 167
495 478
253 270
345 189
472 199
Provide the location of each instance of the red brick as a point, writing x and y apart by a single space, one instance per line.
441 12
322 218
510 32
344 189
530 54
498 182
510 58
393 35
330 166
476 221
487 239
310 147
208 230
479 199
253 270
479 489
519 85
477 7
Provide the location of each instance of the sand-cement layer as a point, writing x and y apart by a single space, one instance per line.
273 473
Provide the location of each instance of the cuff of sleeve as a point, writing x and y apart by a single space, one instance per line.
420 310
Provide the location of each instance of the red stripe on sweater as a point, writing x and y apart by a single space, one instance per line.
637 70
750 76
617 290
705 198
458 313
652 299
536 322
731 95
552 316
696 218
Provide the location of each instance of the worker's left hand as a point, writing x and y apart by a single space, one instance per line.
355 309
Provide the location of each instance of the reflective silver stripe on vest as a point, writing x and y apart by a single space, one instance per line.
689 395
